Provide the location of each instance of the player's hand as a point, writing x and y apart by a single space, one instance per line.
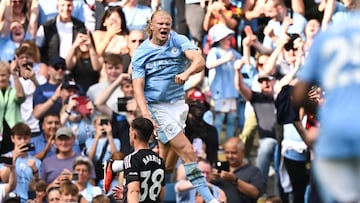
118 192
181 78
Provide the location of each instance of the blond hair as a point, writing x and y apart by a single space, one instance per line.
156 13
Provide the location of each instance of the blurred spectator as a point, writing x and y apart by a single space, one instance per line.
78 115
312 28
136 15
177 11
24 12
221 12
53 195
113 69
126 105
136 37
194 15
52 95
243 182
70 193
221 57
196 127
11 41
102 146
82 60
33 73
113 34
185 191
9 184
83 167
37 191
278 11
10 101
45 142
55 37
52 167
27 167
12 197
48 10
101 199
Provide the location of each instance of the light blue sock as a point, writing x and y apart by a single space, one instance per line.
198 181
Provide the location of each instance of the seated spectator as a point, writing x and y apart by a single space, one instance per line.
53 166
102 146
55 37
10 101
82 60
127 105
83 166
45 141
24 12
33 73
26 166
243 182
112 36
113 68
185 191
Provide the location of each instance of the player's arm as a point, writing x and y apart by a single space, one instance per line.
133 192
162 193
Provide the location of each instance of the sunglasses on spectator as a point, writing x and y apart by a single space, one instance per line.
59 67
17 1
137 40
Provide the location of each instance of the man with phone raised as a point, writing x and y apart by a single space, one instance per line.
242 182
27 167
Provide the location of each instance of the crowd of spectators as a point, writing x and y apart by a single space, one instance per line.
65 80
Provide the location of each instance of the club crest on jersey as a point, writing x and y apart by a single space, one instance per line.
174 50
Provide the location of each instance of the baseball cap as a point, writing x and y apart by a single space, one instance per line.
219 32
64 131
70 84
264 76
197 96
56 61
13 197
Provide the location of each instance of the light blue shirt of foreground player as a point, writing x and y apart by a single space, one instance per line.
159 65
333 63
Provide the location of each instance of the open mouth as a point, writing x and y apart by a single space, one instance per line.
164 33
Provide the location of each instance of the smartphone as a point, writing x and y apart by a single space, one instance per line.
222 166
75 176
82 102
104 121
31 194
197 143
6 160
122 102
30 146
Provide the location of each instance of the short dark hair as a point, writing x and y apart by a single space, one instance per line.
21 129
144 127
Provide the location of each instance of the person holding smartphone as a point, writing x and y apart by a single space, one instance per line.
242 182
27 167
102 146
